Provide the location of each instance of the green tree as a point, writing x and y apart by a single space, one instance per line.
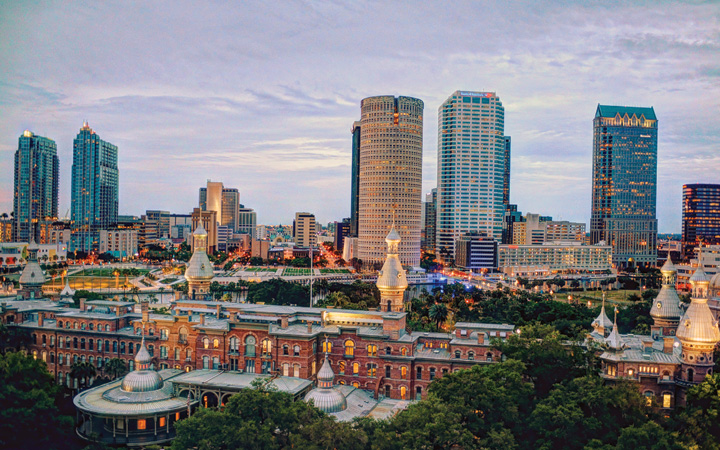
115 367
438 313
29 416
700 422
83 372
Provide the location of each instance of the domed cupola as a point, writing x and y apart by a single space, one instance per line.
143 378
199 272
32 277
602 323
392 280
324 396
614 342
665 309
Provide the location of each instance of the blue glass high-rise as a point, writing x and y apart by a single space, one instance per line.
94 189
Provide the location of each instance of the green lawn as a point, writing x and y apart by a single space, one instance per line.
294 272
104 272
259 269
323 271
168 280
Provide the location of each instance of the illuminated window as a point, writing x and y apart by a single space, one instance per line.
372 350
177 415
341 367
216 343
403 372
403 351
667 400
266 346
356 369
206 343
141 424
161 422
327 347
349 348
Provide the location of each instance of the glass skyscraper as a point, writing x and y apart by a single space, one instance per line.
700 216
473 154
624 185
390 178
36 185
355 180
94 189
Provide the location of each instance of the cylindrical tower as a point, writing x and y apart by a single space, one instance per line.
666 307
390 176
199 272
392 281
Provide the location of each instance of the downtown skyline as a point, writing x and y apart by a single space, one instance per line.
264 100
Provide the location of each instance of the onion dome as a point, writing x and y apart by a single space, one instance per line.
698 325
143 378
614 341
199 267
392 275
32 274
324 397
602 320
667 304
715 282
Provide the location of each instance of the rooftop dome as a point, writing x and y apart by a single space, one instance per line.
715 281
668 267
324 397
666 305
199 267
698 325
32 274
602 320
392 275
143 378
614 341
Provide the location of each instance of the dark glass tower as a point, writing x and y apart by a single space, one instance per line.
624 187
700 216
355 180
36 185
94 189
506 174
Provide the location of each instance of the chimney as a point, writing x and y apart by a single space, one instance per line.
481 337
283 322
41 319
647 346
668 345
145 311
218 311
82 304
202 319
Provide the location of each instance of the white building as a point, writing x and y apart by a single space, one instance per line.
545 259
471 168
121 243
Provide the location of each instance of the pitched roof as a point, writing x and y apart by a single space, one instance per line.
612 111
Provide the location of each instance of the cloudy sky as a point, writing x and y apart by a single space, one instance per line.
262 95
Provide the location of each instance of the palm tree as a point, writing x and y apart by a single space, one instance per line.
115 367
83 371
438 313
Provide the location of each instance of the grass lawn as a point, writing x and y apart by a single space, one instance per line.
294 272
334 271
259 269
105 272
168 280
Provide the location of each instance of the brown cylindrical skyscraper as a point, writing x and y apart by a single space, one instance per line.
390 176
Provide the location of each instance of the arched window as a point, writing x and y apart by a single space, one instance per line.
164 333
286 350
356 369
206 362
107 346
91 326
59 324
403 392
131 350
115 347
234 345
75 325
341 367
60 359
372 350
91 345
91 360
266 346
250 346
188 355
388 350
44 356
690 375
107 328
403 373
68 325
296 350
99 345
471 356
82 326
327 347
667 400
489 356
182 335
177 354
68 342
286 369
403 351
649 397
349 349
151 350
355 384
82 344
296 370
75 343
457 354
216 343
52 357
418 373
44 339
206 342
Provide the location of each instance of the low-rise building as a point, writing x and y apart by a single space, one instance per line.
476 252
554 257
121 243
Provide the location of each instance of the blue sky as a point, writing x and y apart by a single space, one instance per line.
262 95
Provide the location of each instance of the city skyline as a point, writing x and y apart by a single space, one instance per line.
268 102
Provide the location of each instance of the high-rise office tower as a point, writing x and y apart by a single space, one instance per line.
471 168
94 189
390 177
224 201
355 180
36 185
506 173
304 229
624 183
430 206
700 216
247 221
